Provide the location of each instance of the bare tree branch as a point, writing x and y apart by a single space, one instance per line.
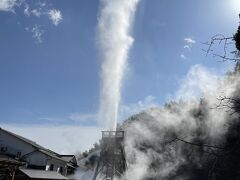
230 104
200 145
224 42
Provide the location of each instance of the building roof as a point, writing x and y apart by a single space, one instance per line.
40 148
56 156
68 158
34 144
42 174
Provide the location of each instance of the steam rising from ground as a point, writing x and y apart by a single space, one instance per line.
152 151
114 42
150 148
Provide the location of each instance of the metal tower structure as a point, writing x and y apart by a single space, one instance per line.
112 162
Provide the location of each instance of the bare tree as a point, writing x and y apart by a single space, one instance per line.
226 45
230 104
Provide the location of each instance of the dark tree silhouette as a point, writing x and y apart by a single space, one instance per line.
225 43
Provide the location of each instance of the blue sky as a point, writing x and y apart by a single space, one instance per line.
49 65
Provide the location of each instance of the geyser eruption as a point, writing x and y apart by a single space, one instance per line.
114 42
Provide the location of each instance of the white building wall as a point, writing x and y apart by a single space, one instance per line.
33 157
14 144
57 164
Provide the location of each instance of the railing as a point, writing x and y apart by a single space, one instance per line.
112 134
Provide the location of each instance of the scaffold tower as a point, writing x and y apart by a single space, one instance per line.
112 162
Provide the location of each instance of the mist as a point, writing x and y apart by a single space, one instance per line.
114 42
152 145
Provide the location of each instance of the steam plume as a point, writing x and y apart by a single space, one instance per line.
114 43
148 151
152 139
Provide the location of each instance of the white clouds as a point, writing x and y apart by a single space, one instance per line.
33 9
42 4
82 117
36 12
42 10
26 10
188 45
55 16
189 41
71 118
182 56
8 5
37 33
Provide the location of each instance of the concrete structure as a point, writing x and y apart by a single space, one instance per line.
38 161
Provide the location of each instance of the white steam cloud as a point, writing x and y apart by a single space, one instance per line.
193 114
186 116
114 43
